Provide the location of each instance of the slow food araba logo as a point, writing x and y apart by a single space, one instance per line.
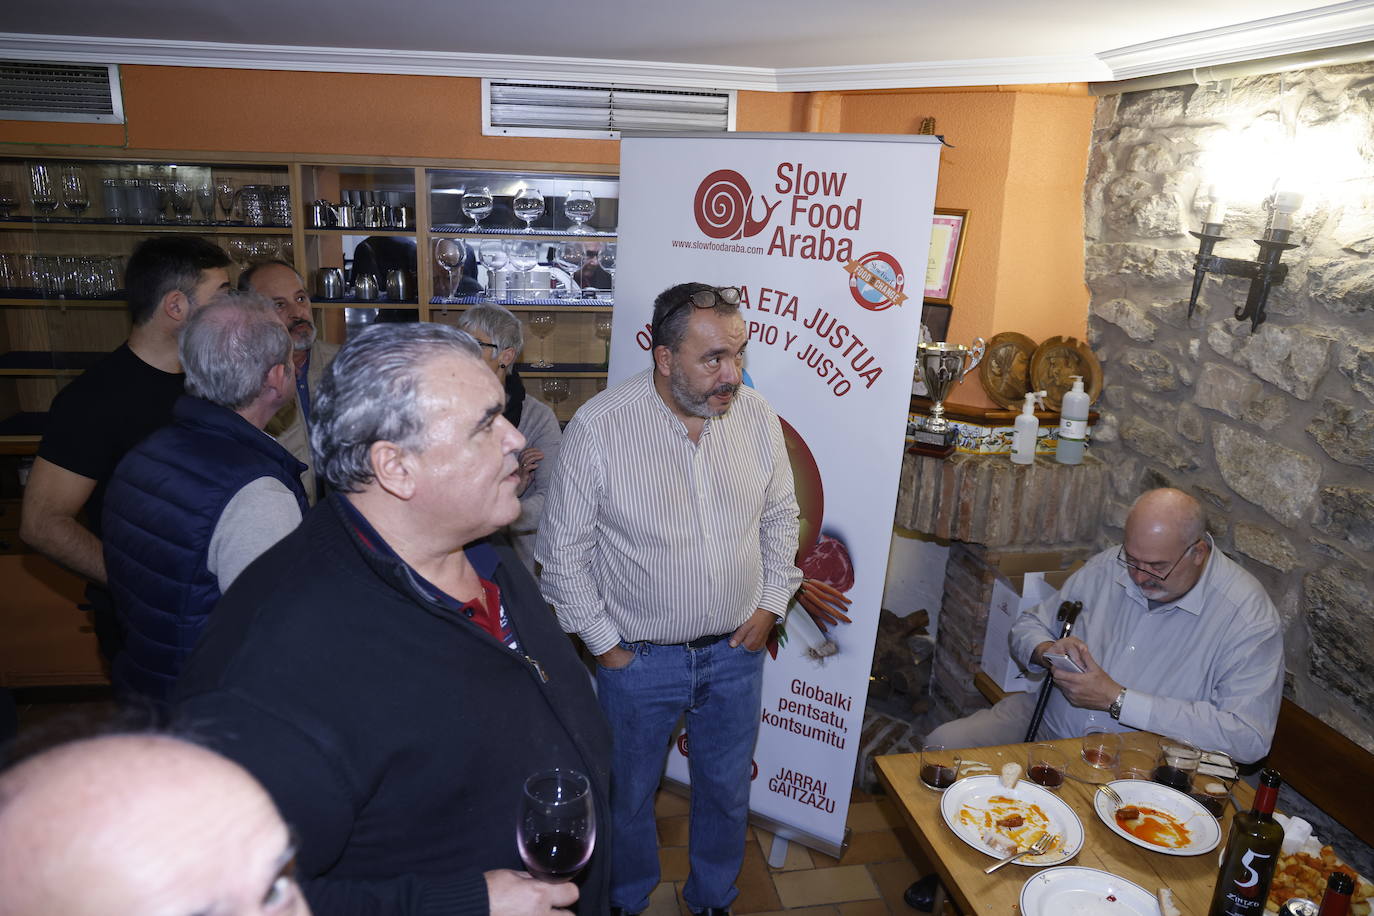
725 206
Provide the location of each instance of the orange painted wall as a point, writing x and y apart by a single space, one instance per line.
1017 161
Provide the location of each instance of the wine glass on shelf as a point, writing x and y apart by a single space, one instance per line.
76 197
556 391
524 256
579 206
541 326
450 255
44 193
528 205
608 253
477 204
556 830
205 199
9 198
225 194
603 331
239 251
179 193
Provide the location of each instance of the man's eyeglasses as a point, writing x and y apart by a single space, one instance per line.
701 299
1149 569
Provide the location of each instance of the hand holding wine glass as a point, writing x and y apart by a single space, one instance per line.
450 255
556 830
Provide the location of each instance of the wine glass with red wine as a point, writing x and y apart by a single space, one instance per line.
557 828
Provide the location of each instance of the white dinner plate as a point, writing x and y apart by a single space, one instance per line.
974 792
1072 890
1204 831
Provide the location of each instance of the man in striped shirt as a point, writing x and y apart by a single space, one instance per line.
667 546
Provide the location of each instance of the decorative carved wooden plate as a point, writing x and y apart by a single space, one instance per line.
1059 358
1005 369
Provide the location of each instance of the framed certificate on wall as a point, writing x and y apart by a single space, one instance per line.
946 244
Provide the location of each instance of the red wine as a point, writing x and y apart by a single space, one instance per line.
1252 851
1046 775
555 856
1174 778
1099 757
937 777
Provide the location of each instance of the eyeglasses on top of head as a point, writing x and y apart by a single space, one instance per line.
1129 563
702 299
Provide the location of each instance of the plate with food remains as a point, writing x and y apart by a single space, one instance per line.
1158 818
1073 890
1005 369
1054 364
997 820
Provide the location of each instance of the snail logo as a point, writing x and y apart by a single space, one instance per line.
725 206
876 281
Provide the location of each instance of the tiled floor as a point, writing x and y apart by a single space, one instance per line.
868 880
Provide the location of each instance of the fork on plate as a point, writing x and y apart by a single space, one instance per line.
1041 844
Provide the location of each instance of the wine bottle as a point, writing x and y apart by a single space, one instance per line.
1252 851
1339 887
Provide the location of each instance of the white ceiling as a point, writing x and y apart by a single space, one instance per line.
752 44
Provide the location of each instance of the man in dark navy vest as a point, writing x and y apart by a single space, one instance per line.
196 502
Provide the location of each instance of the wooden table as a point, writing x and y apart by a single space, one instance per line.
961 867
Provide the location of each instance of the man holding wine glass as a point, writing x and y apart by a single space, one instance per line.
667 545
390 675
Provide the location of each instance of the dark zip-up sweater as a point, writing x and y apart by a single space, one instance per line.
394 735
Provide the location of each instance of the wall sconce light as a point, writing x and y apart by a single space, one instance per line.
1265 272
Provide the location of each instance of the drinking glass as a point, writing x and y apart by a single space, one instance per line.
44 190
608 257
579 206
1178 762
571 256
541 326
239 251
1046 766
556 390
76 197
1101 748
179 193
528 205
556 830
9 271
1134 763
603 331
205 199
524 256
477 203
494 255
9 198
939 767
450 255
225 194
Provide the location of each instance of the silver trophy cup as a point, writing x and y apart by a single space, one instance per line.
941 366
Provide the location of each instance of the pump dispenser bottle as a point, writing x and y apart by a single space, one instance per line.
1073 424
1027 430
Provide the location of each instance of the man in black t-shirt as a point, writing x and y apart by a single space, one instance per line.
111 407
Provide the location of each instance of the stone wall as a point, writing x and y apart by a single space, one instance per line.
1272 430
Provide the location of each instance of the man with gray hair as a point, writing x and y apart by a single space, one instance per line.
499 334
193 504
388 675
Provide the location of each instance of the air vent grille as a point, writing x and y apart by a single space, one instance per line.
32 91
553 110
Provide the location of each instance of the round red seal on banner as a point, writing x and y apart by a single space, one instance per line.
876 281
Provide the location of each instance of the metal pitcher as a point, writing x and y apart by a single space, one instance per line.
399 287
365 286
322 215
329 283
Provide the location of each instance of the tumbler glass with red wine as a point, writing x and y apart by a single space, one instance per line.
1177 763
556 831
1046 766
939 767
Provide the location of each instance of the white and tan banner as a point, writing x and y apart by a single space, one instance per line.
828 237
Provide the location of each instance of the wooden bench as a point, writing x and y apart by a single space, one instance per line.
1327 768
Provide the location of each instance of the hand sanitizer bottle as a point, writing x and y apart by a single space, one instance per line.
1027 430
1073 424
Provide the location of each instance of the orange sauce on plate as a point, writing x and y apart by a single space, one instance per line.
1157 827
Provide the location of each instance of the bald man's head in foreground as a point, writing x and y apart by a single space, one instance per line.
1166 546
141 824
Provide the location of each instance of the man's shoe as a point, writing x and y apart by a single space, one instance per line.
921 894
712 911
621 911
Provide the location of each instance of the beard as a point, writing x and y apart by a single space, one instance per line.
302 333
696 403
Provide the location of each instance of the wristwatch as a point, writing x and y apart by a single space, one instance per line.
1115 709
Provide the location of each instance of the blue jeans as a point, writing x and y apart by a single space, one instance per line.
719 690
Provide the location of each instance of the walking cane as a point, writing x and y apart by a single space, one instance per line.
1068 613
